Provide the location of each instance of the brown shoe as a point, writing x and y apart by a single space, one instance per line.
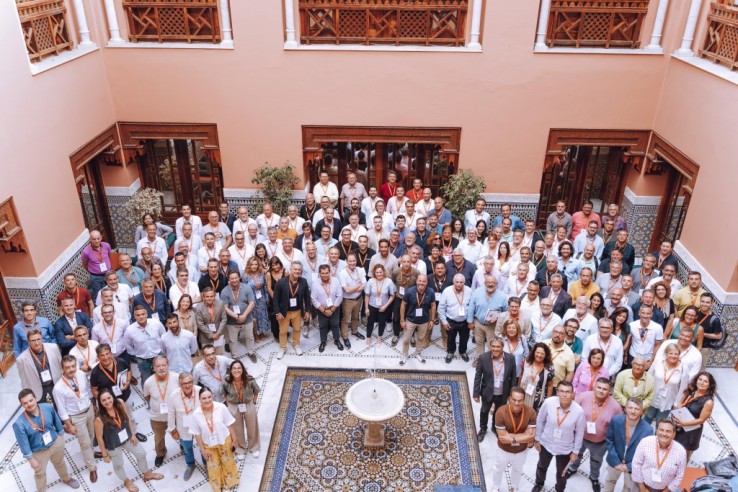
93 476
475 363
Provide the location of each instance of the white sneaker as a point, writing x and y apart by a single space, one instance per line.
403 360
420 357
280 354
255 454
298 350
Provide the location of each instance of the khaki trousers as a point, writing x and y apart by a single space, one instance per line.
422 341
483 334
293 318
84 423
247 426
238 332
160 434
612 479
351 308
55 454
705 354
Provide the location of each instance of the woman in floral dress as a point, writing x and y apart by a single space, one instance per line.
254 278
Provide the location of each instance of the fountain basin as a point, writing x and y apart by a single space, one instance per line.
375 401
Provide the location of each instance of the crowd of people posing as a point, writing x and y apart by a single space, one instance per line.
576 347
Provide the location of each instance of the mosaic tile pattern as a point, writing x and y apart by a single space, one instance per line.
641 221
523 210
124 226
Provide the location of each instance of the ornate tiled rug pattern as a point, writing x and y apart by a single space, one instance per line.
318 445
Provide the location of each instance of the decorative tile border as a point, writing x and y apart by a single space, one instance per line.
124 226
125 191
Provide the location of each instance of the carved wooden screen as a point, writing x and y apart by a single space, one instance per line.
596 23
421 22
44 26
7 320
721 39
173 20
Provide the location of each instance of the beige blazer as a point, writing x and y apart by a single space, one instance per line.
27 369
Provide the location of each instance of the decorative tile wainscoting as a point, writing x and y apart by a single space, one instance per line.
640 213
124 226
524 206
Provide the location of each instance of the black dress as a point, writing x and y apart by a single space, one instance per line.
691 439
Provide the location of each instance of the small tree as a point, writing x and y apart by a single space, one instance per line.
145 201
461 191
276 185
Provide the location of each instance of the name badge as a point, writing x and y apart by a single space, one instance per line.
438 297
329 302
378 301
155 316
116 390
258 294
242 407
591 427
236 309
112 348
516 443
103 268
418 312
557 434
217 296
498 383
530 389
293 302
136 291
211 327
123 435
462 311
47 438
45 376
213 441
656 475
491 316
401 291
187 421
163 408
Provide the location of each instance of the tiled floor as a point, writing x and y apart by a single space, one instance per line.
16 474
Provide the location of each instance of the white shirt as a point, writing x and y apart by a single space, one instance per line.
194 243
540 328
356 233
196 225
265 223
411 221
514 287
531 268
295 224
178 407
353 279
296 255
368 205
222 420
613 351
273 248
213 378
675 284
479 277
587 326
423 207
157 393
243 226
643 347
241 256
86 356
330 190
176 293
691 358
179 349
420 267
67 401
472 251
527 307
388 222
204 254
471 218
193 270
396 206
158 247
121 295
112 335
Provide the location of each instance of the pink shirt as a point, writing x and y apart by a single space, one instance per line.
93 259
604 415
579 223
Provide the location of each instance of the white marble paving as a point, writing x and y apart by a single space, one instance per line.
16 474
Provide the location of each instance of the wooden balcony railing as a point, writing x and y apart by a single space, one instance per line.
596 23
419 22
44 27
162 21
721 40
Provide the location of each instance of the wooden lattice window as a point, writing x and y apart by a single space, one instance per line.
162 21
418 22
596 23
721 39
44 26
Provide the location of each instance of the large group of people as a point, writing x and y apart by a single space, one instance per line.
576 347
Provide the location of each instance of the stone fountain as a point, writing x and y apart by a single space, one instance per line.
375 401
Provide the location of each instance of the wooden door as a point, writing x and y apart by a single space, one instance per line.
7 320
93 201
672 210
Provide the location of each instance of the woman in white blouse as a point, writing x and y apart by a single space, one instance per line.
378 295
212 427
670 380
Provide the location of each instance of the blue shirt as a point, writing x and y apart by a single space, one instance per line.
20 333
479 305
31 440
444 217
161 305
411 299
516 222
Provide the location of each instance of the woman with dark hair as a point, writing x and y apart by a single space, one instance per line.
113 433
448 242
186 314
379 294
698 398
274 273
161 229
589 371
537 376
253 276
260 251
662 301
241 392
621 329
688 319
161 281
457 229
481 230
212 427
502 265
597 306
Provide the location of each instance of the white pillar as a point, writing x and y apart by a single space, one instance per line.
694 13
225 23
658 27
476 23
84 31
112 22
543 25
289 24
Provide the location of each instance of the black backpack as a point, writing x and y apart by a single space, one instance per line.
712 483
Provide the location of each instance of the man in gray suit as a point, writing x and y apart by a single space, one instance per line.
493 381
210 316
39 366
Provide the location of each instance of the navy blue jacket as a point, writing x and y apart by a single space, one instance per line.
161 303
615 440
62 329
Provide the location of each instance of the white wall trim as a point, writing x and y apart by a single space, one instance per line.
712 68
512 198
641 200
252 192
402 48
223 45
723 296
600 51
62 58
42 280
123 190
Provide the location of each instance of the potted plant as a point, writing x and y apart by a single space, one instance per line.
461 191
276 185
145 201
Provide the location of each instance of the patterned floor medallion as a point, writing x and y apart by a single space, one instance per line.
317 444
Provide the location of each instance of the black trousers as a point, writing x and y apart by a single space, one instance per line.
376 316
396 327
329 323
461 329
544 460
497 401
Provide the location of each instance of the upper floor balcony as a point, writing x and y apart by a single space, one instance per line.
721 39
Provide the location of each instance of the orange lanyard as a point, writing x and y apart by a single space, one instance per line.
118 420
89 353
606 347
599 409
293 293
379 287
659 461
40 363
112 333
239 394
113 379
216 284
559 420
76 384
238 294
668 375
496 365
346 253
184 403
543 327
516 426
593 379
461 301
33 425
162 394
419 299
152 304
217 376
211 422
327 290
534 375
510 348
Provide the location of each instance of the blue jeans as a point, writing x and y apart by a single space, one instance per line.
189 453
145 367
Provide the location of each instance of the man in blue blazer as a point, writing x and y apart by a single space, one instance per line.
623 435
155 301
67 322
